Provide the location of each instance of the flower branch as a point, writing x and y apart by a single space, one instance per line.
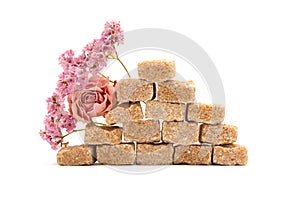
119 60
89 92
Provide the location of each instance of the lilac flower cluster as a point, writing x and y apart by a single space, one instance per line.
75 76
99 50
56 120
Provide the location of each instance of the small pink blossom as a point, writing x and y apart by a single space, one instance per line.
66 82
96 62
50 124
68 122
55 104
67 59
113 33
53 138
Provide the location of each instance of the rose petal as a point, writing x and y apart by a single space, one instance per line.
101 108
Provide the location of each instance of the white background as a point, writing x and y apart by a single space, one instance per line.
255 46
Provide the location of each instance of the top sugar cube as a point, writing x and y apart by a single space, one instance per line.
157 70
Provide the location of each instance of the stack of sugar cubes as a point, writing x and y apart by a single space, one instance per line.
157 122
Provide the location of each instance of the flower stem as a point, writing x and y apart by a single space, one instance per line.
102 124
123 66
63 136
105 77
118 59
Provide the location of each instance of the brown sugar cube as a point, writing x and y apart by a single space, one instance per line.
218 134
142 131
205 113
102 135
176 91
193 155
76 155
134 90
165 111
180 132
124 112
156 70
154 154
120 154
231 154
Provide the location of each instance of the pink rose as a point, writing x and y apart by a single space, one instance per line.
95 100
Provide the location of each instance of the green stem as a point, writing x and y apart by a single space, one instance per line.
118 59
105 77
124 67
102 124
63 136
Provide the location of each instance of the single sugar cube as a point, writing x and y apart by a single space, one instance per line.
193 154
142 131
176 91
232 154
76 155
154 154
156 70
205 113
165 111
131 89
218 134
124 112
102 135
180 132
120 154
